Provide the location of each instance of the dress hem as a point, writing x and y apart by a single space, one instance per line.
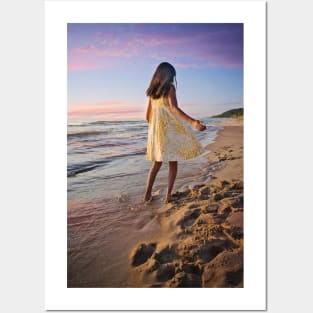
175 159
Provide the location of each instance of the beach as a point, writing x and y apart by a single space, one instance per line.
106 178
115 240
198 238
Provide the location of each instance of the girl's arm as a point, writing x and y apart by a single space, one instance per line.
180 113
148 113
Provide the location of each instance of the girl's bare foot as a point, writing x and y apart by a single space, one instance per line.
168 199
147 198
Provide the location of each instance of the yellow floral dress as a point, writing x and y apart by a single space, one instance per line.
168 138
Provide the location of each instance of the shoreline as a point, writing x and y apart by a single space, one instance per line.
199 242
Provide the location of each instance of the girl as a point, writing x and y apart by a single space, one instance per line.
168 139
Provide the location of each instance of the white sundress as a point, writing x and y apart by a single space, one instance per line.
168 138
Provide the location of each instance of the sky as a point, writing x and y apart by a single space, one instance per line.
110 66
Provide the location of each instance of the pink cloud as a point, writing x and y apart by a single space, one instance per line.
78 62
105 107
113 52
141 45
108 50
73 67
91 57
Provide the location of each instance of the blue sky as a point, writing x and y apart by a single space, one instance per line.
110 67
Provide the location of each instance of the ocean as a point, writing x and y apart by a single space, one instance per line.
106 177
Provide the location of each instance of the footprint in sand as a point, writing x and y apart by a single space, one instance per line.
165 272
224 212
219 196
236 232
212 248
211 208
238 202
167 255
193 206
191 268
237 185
234 278
189 218
143 253
183 279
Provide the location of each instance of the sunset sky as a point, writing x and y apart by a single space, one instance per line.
110 67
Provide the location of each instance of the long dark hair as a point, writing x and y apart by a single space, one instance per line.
161 81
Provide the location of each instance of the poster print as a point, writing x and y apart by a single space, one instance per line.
155 182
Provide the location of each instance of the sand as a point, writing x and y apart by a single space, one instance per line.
200 238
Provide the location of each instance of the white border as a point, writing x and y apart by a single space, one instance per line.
253 295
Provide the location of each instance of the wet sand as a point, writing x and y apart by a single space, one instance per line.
199 242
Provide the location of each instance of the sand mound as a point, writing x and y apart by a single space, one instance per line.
200 243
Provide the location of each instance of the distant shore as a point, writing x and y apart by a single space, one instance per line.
200 238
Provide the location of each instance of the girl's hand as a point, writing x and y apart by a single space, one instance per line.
198 126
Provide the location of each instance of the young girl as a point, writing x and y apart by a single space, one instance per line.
168 139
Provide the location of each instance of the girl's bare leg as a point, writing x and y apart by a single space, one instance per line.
152 174
171 179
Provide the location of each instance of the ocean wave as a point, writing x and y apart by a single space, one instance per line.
86 133
117 175
79 168
76 169
87 145
115 122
